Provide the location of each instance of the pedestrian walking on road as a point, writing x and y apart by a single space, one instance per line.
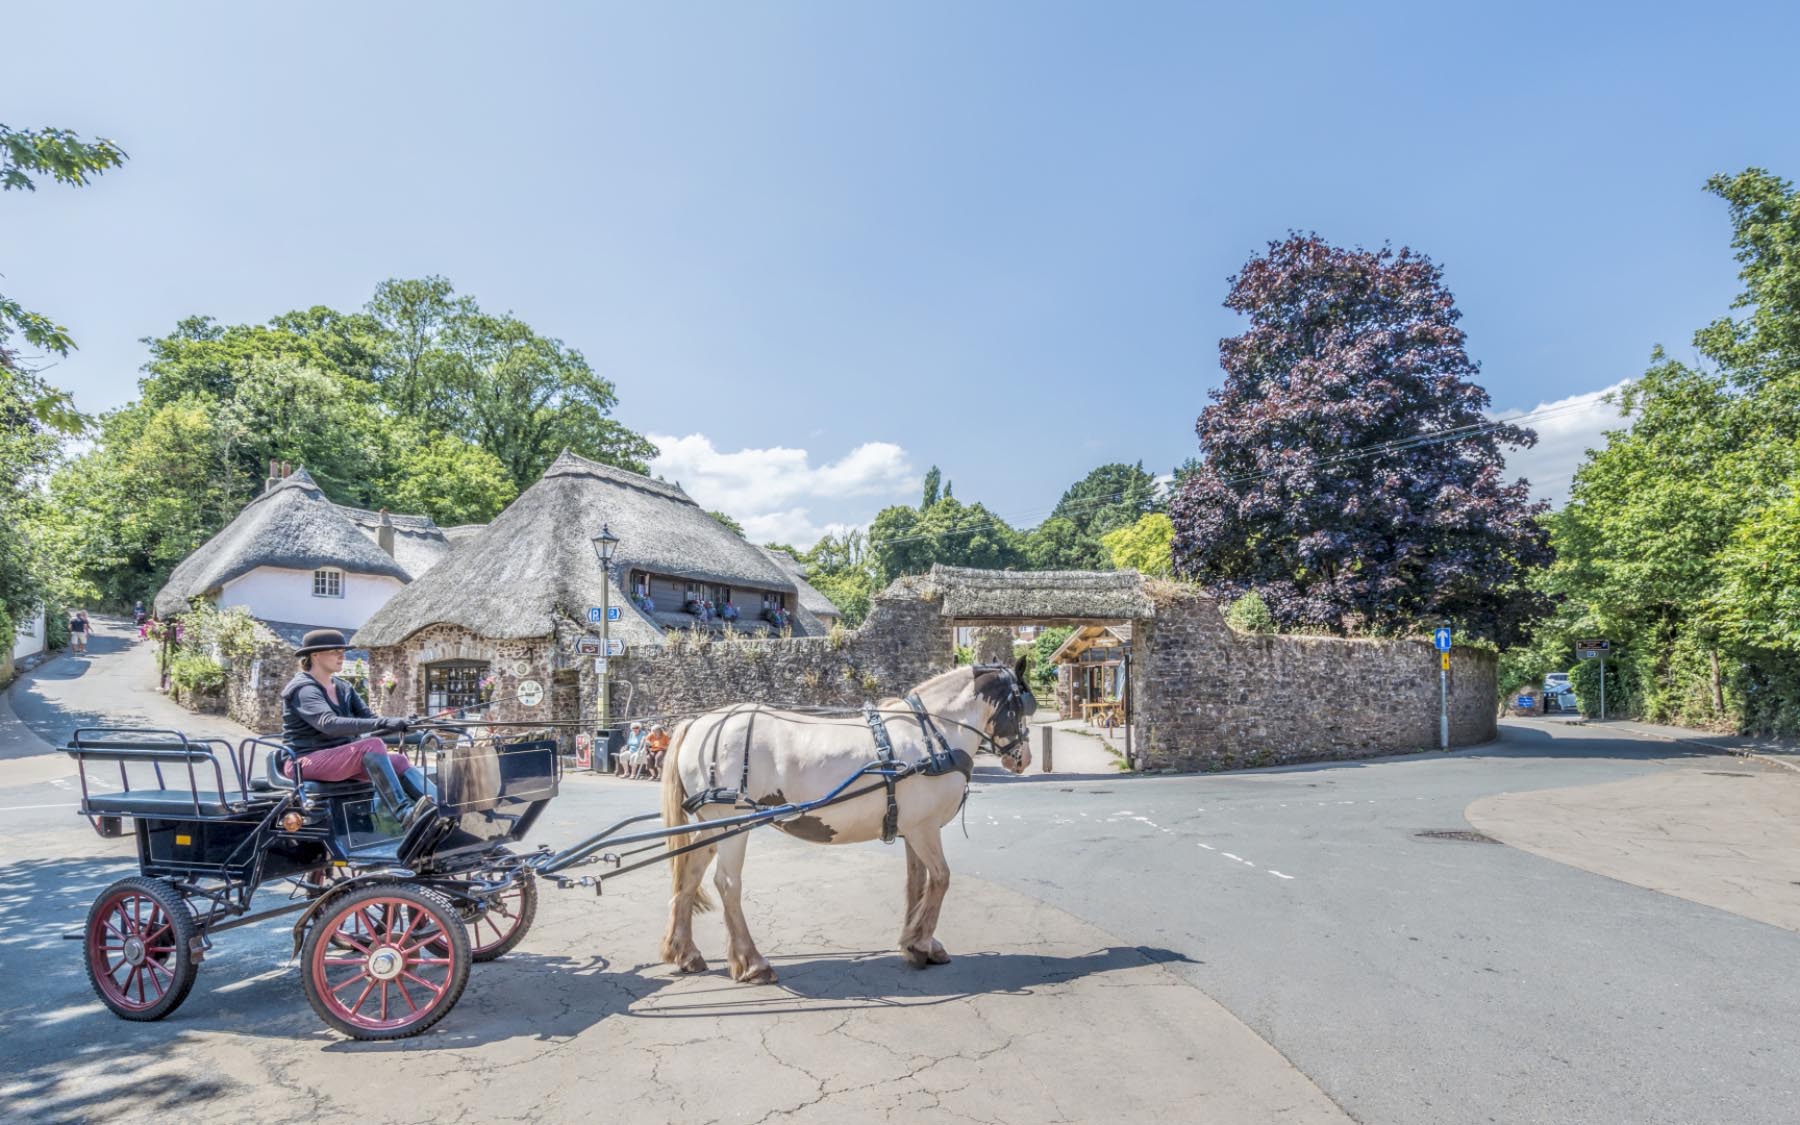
78 631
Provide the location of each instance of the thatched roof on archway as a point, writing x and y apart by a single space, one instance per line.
1045 596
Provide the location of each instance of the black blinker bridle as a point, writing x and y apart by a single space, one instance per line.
1009 721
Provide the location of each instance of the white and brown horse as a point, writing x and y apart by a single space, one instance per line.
779 757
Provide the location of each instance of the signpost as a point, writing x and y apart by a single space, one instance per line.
615 647
1588 650
1440 637
597 614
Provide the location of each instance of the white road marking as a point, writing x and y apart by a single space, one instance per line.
1209 847
1228 855
22 808
1278 874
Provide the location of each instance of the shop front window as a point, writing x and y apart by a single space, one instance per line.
453 685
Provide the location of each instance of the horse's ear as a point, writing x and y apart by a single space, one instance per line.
1023 666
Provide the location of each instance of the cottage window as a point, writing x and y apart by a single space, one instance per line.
328 583
452 685
640 584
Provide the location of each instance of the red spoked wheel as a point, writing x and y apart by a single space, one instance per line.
139 946
495 931
385 962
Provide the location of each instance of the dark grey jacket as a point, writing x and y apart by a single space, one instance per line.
310 722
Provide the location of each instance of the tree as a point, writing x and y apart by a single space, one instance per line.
449 480
1145 546
736 528
1057 544
933 480
1349 473
1677 541
34 415
1108 498
904 540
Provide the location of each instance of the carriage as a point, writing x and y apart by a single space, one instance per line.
389 921
391 916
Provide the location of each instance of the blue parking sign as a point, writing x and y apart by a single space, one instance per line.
612 613
1441 637
594 615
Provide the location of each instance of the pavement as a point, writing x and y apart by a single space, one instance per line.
1727 836
1042 1016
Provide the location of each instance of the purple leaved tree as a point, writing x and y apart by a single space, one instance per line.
1349 475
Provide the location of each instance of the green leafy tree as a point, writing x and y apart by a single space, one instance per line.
449 480
34 415
933 483
1108 498
737 528
1677 540
1043 646
1145 546
1058 544
904 540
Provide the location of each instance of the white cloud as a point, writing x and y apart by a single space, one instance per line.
774 492
1566 430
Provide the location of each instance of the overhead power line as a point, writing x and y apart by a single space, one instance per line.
1393 445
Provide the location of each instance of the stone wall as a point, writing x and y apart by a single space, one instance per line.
253 683
904 641
1206 697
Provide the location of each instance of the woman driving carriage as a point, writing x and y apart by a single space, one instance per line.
319 712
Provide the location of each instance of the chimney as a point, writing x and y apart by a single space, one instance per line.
274 477
285 470
384 535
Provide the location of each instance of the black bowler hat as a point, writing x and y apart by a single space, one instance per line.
321 640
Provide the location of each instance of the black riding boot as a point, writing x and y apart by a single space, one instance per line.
388 787
417 784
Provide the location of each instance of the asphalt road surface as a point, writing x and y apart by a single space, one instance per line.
1412 978
1420 979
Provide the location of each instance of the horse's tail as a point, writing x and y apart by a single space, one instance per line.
674 798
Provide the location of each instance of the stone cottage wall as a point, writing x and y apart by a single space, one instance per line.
1207 697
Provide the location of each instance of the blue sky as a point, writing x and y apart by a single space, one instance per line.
822 247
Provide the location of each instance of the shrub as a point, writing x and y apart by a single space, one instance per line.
193 671
1250 614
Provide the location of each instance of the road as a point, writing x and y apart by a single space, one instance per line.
1145 948
1419 979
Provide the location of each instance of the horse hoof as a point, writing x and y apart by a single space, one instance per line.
693 963
758 974
938 955
917 958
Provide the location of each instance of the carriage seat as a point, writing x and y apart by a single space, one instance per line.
170 803
273 778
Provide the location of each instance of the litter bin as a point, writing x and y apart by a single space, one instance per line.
608 742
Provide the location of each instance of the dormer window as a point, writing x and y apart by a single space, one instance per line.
328 583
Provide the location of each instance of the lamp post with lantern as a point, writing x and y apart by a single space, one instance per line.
605 544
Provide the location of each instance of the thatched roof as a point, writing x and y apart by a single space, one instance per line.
811 600
461 532
291 526
418 542
1045 596
537 558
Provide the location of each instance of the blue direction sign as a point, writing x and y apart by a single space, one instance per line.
612 614
1441 638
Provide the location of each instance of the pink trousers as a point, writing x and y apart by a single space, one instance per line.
344 763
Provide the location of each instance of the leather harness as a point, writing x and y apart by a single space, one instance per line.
939 759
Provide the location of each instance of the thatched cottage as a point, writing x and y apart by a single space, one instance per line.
296 561
503 617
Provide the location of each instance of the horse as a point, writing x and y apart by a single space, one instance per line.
778 756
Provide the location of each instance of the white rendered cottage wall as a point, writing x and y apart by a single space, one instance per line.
28 639
287 595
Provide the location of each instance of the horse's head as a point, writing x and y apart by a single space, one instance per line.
1009 704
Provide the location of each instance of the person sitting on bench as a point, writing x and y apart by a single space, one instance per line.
337 737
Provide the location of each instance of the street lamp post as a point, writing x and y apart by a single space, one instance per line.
605 544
